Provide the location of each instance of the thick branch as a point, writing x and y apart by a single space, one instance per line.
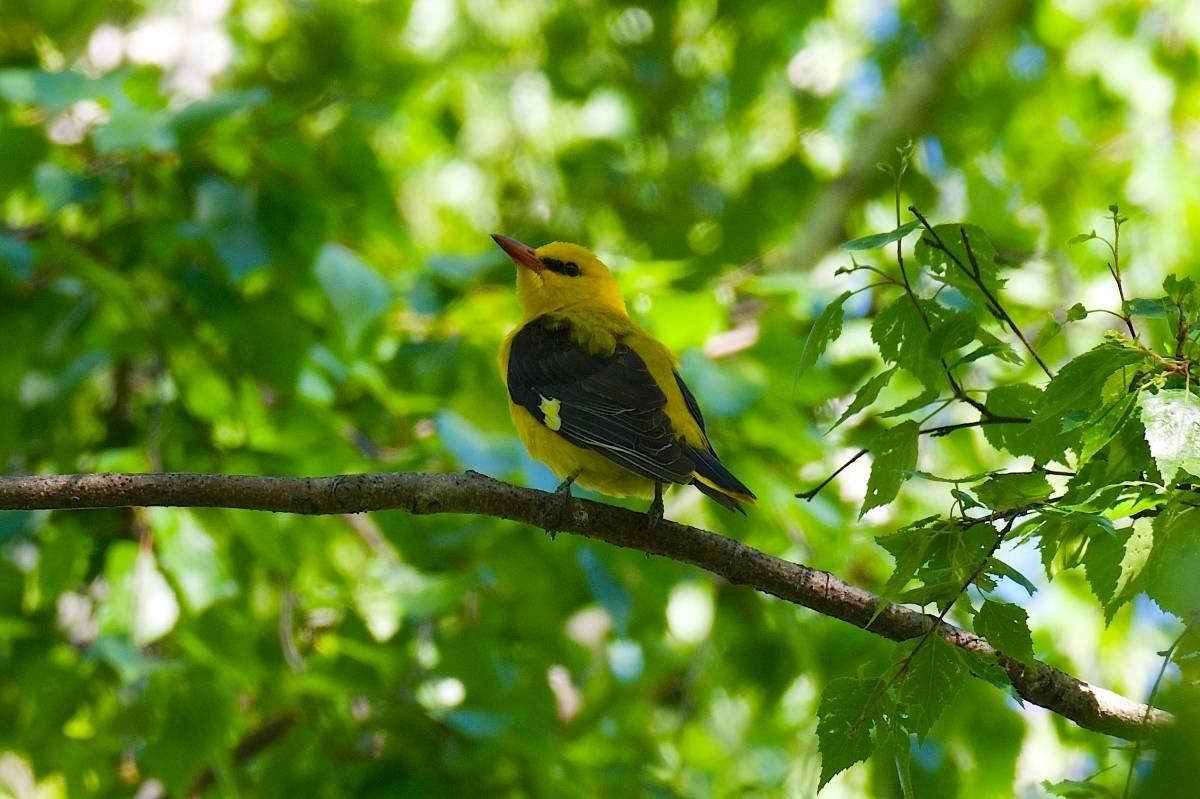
1088 706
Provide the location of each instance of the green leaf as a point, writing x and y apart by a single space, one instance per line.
53 91
1017 401
63 554
132 128
1102 563
1077 789
1007 491
926 397
908 546
931 593
60 187
190 556
894 455
880 239
959 274
1151 309
1180 290
826 328
196 714
1047 333
935 675
1077 312
1076 387
1107 423
141 603
196 117
956 330
1054 530
1172 422
1006 627
986 667
1000 350
1079 238
999 568
13 628
1187 656
969 549
865 395
1174 562
358 294
1138 547
900 333
227 217
387 592
129 662
845 717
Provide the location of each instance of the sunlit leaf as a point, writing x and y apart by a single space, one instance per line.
1007 491
879 239
1172 421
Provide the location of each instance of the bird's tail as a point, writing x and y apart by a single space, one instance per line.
712 478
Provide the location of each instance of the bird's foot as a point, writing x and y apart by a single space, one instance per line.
563 492
565 486
655 512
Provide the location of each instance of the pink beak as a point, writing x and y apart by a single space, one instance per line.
521 254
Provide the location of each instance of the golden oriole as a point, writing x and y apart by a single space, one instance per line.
593 395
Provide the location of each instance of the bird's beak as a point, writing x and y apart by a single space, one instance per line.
521 254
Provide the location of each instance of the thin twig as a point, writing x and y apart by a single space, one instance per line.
935 432
811 494
252 744
1137 746
1116 270
976 277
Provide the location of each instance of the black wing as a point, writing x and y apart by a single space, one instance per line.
708 464
690 400
609 404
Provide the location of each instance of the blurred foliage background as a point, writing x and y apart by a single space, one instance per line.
252 237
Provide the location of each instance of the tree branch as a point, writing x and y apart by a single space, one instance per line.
252 744
1089 706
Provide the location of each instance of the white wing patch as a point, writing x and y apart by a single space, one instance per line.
549 408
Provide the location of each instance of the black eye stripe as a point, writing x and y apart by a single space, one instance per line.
568 268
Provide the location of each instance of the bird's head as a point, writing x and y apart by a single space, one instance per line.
561 275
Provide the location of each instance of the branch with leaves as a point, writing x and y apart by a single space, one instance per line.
1121 420
1089 706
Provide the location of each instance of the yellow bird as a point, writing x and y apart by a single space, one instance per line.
593 395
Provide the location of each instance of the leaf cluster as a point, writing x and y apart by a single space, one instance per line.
1107 451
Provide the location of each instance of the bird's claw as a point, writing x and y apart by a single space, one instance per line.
654 514
564 494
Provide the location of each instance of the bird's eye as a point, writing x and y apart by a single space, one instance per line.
568 268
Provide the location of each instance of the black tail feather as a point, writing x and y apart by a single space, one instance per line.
724 499
723 482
